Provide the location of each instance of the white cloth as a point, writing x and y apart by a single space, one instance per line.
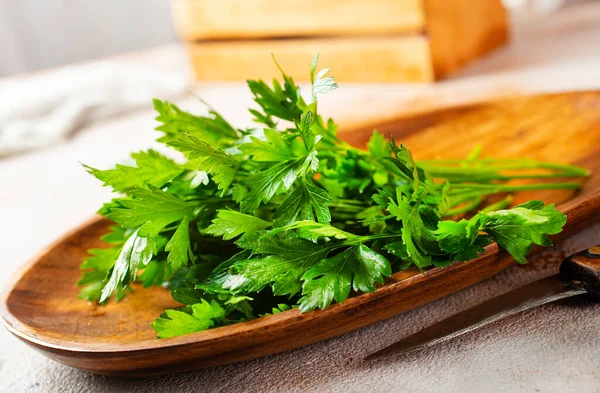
533 5
47 108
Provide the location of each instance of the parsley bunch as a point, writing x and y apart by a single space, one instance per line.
257 221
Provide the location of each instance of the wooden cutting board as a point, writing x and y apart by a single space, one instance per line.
43 310
363 41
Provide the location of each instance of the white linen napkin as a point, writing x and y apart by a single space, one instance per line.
47 108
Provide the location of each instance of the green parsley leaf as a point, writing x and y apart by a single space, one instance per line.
462 238
230 224
313 67
150 211
414 232
289 258
214 282
153 274
187 296
308 136
276 179
281 102
136 251
275 148
211 157
179 248
323 84
175 323
517 229
96 268
358 268
152 169
205 158
276 310
213 130
309 229
306 202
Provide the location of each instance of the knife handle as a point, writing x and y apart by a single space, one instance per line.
584 269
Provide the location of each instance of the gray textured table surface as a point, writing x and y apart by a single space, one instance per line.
551 348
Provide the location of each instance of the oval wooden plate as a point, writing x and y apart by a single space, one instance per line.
42 307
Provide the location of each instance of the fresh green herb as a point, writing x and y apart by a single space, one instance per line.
256 222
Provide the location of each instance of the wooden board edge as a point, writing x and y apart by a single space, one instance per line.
461 31
6 318
353 59
239 19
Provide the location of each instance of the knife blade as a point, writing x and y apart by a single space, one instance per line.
579 274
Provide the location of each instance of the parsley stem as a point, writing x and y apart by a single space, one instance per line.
472 163
494 165
464 197
352 201
472 204
496 188
473 194
476 201
347 204
503 204
363 239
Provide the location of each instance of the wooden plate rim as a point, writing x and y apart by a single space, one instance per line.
33 335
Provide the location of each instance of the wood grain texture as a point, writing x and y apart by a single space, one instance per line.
375 41
42 309
460 31
242 19
354 59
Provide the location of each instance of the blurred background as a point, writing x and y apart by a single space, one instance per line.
67 64
42 34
